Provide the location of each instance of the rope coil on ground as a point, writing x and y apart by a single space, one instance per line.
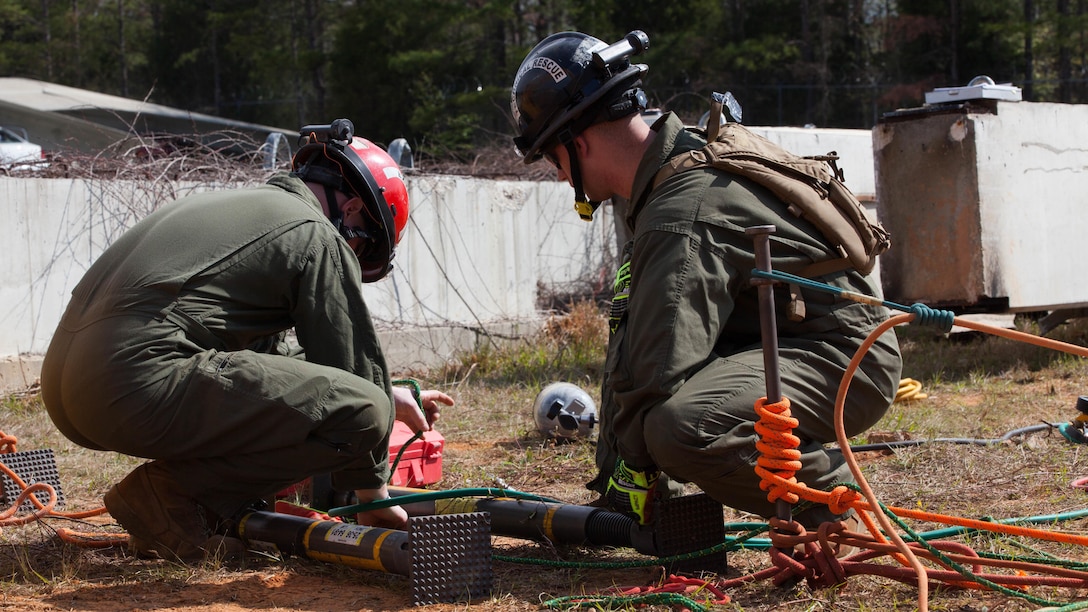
822 569
909 390
41 510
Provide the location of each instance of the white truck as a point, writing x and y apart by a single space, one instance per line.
15 149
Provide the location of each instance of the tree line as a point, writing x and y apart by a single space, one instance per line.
437 72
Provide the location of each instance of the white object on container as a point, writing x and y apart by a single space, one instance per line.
980 88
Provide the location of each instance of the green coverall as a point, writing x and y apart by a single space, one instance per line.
685 364
172 348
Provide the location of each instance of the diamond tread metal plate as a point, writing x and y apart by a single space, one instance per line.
690 524
31 467
451 557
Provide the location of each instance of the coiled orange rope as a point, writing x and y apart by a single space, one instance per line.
779 458
778 462
8 517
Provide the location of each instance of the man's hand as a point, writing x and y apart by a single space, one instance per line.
631 490
409 413
392 517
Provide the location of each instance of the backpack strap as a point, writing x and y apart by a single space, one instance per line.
678 164
829 266
795 310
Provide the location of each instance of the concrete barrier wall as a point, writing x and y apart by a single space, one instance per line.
987 207
481 250
474 260
475 252
51 231
854 148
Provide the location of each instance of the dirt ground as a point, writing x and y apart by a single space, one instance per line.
112 580
235 592
491 442
67 576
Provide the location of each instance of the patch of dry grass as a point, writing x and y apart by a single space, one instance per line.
978 388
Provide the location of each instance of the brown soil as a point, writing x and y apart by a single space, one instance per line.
491 442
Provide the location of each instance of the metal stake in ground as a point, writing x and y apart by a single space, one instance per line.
761 235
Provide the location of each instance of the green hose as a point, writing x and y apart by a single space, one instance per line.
765 543
433 495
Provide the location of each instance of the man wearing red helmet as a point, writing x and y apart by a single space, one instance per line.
172 348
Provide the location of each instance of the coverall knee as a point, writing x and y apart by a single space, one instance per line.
705 432
231 427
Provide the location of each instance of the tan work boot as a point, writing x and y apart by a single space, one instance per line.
853 524
160 519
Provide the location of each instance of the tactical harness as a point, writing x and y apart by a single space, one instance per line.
812 188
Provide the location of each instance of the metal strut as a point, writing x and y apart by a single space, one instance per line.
682 525
446 558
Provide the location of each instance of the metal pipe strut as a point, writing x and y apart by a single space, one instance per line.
682 525
446 558
533 520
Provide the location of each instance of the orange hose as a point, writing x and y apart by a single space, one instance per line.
844 443
42 510
778 463
92 540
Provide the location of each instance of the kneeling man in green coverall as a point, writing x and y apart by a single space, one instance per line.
173 348
685 361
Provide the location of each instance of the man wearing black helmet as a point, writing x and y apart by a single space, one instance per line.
173 347
685 365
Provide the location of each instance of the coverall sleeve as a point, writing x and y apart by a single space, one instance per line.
679 301
331 317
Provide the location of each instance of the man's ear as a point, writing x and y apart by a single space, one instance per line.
352 205
581 144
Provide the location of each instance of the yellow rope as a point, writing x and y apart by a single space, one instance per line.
909 390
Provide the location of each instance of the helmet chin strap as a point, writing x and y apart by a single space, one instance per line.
582 204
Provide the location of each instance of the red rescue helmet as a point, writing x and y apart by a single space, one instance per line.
333 156
390 181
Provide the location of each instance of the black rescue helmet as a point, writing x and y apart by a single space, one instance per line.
570 81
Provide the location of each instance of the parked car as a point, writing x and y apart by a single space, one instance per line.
15 149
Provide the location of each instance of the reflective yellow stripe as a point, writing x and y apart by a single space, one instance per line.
456 505
359 562
374 563
306 536
548 517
